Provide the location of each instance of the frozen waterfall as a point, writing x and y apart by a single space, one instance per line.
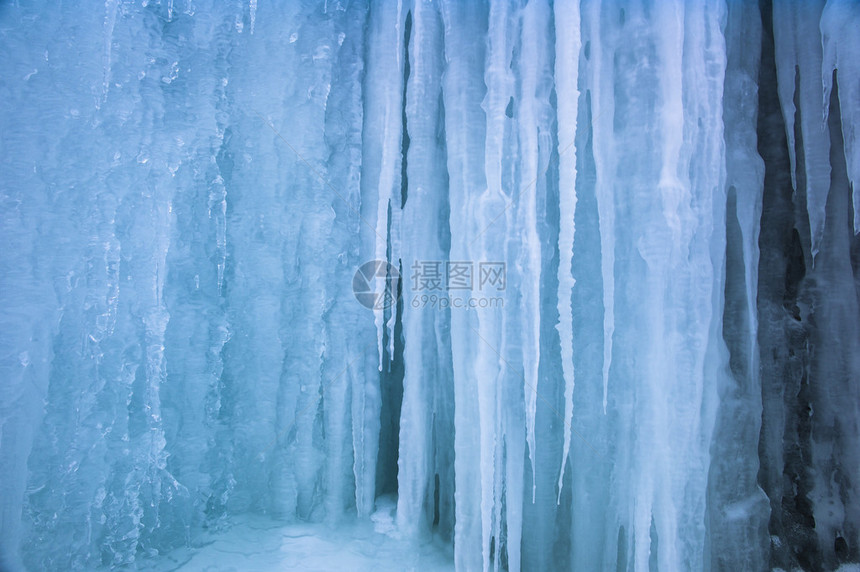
430 285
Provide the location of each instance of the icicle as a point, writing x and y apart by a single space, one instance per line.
799 56
534 125
568 44
382 150
602 114
527 214
491 244
253 9
840 23
785 67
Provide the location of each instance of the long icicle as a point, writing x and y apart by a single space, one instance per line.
568 44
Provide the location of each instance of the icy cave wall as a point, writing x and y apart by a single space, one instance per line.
671 382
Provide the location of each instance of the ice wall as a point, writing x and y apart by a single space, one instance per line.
166 289
667 380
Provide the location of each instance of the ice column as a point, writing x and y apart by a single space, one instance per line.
424 423
465 125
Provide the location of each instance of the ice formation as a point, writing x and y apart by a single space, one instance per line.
664 376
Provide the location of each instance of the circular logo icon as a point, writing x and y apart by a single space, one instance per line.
375 284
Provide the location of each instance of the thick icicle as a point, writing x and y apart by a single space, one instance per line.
531 240
465 125
422 218
568 44
531 118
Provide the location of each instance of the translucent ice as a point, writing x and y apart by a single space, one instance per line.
622 357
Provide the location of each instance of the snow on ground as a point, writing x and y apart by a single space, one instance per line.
262 544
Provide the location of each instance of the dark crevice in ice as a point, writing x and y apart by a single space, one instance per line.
621 554
391 390
781 337
435 500
404 141
655 547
